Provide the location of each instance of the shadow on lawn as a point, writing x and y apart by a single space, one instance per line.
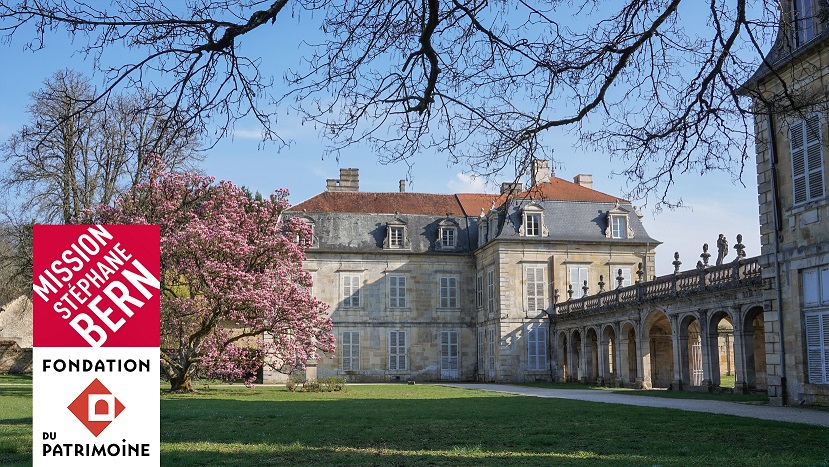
480 430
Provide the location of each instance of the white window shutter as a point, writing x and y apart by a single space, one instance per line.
815 349
814 156
825 344
798 153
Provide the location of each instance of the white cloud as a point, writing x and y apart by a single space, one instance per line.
248 133
465 183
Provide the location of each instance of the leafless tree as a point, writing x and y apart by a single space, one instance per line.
485 82
15 260
79 152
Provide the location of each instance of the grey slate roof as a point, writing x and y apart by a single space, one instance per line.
574 221
367 232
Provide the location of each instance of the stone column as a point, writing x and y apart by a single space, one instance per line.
311 371
678 352
708 349
741 383
583 355
643 375
617 355
601 358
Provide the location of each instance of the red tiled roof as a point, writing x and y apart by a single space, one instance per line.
473 203
469 204
562 190
382 203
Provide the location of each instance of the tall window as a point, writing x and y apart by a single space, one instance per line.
807 159
537 348
397 351
535 288
619 227
491 359
803 19
481 354
479 291
815 297
490 291
397 291
350 346
577 277
449 354
448 292
351 290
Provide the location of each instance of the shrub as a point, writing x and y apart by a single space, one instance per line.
333 383
311 386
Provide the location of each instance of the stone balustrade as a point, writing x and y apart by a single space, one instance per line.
745 271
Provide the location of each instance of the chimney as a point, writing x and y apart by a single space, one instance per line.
585 180
540 172
402 186
349 181
511 188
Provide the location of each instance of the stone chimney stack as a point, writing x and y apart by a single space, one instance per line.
540 172
349 181
585 180
402 186
511 188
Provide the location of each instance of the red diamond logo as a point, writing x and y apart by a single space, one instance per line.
96 407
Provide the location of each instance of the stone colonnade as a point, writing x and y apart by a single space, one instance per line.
675 346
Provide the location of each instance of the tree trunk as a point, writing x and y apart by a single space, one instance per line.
181 383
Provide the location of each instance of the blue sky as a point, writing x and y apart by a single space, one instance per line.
715 203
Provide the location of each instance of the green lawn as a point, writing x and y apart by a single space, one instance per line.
15 419
434 425
722 396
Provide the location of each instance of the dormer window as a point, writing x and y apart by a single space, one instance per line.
803 24
396 235
618 223
483 229
312 239
447 238
447 234
619 226
532 221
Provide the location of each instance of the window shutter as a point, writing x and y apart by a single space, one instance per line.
816 351
824 286
825 344
811 290
798 161
401 350
814 157
393 350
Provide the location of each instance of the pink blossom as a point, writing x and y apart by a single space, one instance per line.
234 294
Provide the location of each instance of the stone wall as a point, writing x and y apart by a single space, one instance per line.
16 336
14 359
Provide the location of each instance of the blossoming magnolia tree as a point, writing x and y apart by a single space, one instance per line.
234 294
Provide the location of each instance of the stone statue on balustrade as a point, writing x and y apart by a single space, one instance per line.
722 249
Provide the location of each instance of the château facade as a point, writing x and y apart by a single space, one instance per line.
790 95
461 286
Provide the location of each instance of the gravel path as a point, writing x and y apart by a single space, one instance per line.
765 412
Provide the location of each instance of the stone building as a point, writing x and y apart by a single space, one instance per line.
461 287
790 94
